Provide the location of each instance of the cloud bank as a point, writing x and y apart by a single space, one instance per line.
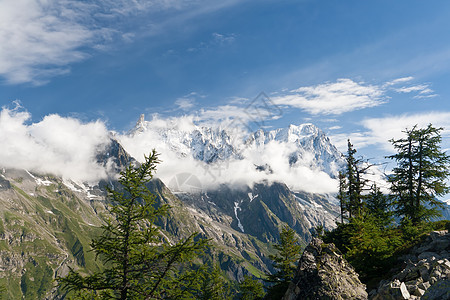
177 159
378 131
55 145
67 147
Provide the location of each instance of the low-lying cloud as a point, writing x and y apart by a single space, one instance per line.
378 131
55 145
177 159
67 147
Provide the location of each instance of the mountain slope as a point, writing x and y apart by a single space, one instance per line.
262 210
47 222
45 227
312 148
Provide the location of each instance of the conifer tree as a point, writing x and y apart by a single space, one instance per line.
2 289
422 168
213 285
353 194
378 205
354 183
342 195
139 264
284 262
251 289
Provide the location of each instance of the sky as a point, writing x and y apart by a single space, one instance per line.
364 70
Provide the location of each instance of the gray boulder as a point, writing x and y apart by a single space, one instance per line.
438 291
426 275
324 274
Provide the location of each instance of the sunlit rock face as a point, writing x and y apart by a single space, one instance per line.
323 273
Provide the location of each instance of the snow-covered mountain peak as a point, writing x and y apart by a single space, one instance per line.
293 134
306 143
312 148
140 126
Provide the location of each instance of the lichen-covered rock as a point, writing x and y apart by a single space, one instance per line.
4 184
426 275
439 291
392 291
324 274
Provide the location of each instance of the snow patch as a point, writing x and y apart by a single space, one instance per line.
310 204
303 203
251 197
331 199
317 205
71 186
236 208
79 188
39 181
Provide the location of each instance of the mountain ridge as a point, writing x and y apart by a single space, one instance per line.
306 144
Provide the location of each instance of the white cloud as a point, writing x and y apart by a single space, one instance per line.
223 39
254 114
224 115
336 98
56 145
36 33
422 90
383 129
425 96
358 139
399 80
216 40
67 147
184 103
415 88
177 159
40 39
187 102
346 95
380 130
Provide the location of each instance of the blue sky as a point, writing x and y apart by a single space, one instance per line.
358 69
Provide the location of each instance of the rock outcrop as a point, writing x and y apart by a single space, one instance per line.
426 274
4 184
323 273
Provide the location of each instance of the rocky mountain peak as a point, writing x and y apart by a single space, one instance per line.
304 130
309 146
323 273
140 126
114 157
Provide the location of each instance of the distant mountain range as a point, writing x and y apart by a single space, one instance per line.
47 222
306 145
